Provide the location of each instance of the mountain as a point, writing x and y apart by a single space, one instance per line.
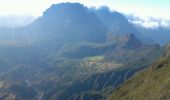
69 53
150 84
36 73
61 23
71 22
68 22
87 74
159 35
81 50
116 22
153 33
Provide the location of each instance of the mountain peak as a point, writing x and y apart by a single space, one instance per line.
71 22
116 22
62 7
131 41
130 36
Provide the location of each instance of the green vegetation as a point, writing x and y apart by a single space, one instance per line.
74 68
150 84
95 58
85 49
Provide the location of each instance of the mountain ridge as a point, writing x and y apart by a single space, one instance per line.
150 84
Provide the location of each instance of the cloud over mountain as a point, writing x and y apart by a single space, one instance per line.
149 22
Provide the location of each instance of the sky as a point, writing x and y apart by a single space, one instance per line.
144 9
155 8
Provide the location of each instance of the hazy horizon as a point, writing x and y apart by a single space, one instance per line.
149 14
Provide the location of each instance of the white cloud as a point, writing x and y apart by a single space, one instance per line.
165 23
149 22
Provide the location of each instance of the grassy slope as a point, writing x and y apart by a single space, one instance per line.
152 84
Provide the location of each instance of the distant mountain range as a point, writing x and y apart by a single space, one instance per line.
102 20
64 22
159 35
